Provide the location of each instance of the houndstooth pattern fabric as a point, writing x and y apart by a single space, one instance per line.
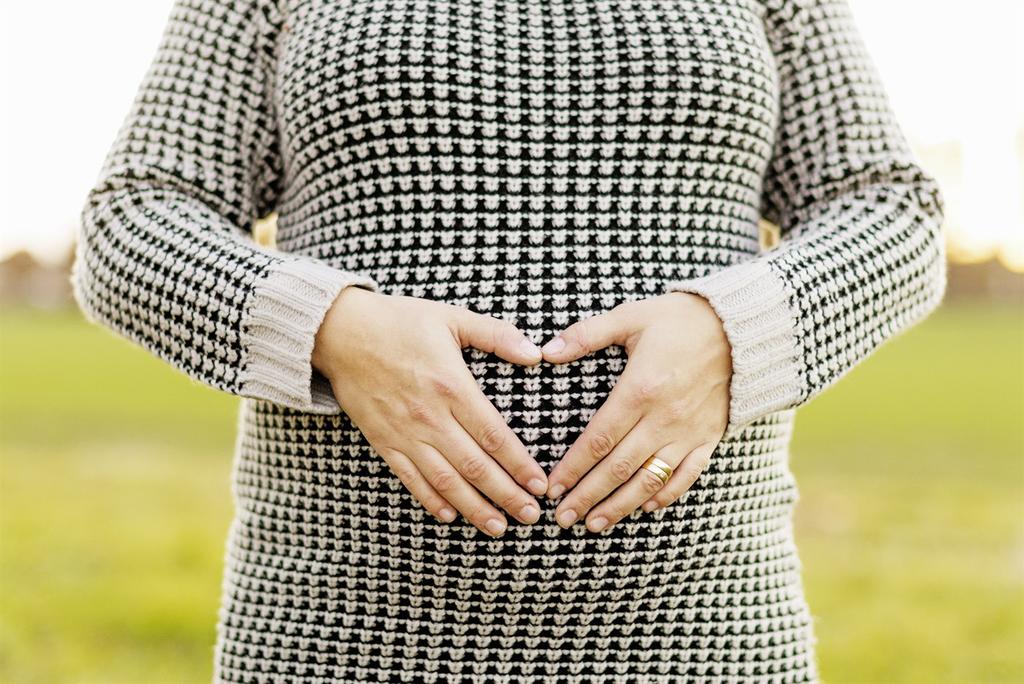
540 161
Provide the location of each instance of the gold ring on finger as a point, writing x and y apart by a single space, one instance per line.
658 467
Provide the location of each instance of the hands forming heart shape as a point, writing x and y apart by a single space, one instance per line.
396 368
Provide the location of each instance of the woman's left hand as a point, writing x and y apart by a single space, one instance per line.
671 401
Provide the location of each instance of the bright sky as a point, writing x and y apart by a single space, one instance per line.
954 72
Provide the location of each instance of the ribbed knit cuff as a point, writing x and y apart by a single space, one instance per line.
753 303
279 329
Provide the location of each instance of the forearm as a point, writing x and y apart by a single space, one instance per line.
162 269
866 267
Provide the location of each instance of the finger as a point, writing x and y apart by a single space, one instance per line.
410 476
609 425
494 335
695 463
483 473
611 473
589 335
643 485
488 428
446 481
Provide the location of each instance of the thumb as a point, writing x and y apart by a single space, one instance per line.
589 335
494 335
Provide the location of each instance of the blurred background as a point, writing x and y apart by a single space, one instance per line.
114 504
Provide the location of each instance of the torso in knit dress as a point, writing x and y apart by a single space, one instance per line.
540 161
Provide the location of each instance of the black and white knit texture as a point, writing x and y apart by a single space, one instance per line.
540 161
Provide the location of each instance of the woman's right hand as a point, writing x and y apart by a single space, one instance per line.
395 365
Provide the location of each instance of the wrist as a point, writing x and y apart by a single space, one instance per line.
339 317
711 328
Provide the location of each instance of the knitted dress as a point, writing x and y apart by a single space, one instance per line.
539 161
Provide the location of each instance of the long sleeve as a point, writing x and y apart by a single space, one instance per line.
861 256
165 256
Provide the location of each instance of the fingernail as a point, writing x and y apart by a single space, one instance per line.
529 513
556 491
529 348
597 524
495 526
447 514
554 346
538 486
567 517
649 506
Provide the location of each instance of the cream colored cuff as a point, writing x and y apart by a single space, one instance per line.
279 329
753 303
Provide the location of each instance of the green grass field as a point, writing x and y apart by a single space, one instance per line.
115 506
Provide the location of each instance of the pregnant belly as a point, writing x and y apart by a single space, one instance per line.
321 472
542 288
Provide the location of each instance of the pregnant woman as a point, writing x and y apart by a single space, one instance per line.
422 493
